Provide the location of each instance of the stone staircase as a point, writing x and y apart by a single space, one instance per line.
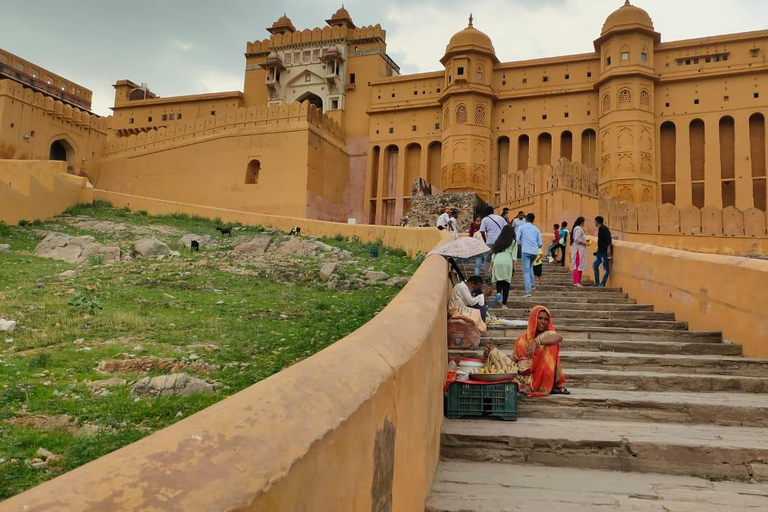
660 418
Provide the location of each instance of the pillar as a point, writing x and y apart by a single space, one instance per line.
744 198
712 182
683 193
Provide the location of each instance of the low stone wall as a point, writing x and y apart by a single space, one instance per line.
38 189
354 427
710 292
413 241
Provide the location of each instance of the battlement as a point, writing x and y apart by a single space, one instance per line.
521 185
54 107
231 122
315 35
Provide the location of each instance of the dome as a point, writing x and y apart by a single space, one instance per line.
470 39
341 18
627 16
283 24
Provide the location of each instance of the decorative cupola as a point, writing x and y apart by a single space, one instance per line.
281 26
341 19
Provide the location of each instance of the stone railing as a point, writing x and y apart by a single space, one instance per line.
354 427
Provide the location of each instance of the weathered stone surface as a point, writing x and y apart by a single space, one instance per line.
5 248
7 325
376 275
297 246
397 281
175 384
326 271
258 245
43 453
203 240
426 208
75 249
107 383
68 273
151 247
140 365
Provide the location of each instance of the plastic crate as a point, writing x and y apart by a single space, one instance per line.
472 400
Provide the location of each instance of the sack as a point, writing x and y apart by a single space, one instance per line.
462 335
470 315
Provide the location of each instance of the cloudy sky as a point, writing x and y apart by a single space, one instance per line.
192 46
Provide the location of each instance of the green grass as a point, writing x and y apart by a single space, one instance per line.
148 308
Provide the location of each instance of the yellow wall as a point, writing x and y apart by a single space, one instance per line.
37 190
340 430
710 292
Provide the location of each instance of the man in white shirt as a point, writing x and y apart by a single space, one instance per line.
529 241
468 294
490 229
447 221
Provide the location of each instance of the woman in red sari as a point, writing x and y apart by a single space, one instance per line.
539 347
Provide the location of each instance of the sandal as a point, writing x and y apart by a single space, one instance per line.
560 391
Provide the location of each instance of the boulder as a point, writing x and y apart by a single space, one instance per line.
67 274
107 383
7 325
175 384
151 247
203 240
326 271
74 249
296 246
376 275
396 281
258 245
5 248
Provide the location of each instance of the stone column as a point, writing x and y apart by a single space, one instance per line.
713 190
400 183
380 186
744 197
683 193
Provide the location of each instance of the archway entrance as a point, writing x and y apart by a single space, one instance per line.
313 98
62 151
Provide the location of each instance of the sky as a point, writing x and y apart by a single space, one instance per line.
196 46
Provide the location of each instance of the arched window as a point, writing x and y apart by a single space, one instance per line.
728 160
625 54
757 156
606 103
480 115
461 114
589 148
645 98
697 145
668 147
252 172
480 73
625 97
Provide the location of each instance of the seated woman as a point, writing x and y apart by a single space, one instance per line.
537 353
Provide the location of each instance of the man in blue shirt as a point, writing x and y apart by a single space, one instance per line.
490 229
529 239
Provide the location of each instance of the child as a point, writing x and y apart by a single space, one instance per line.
554 245
502 261
563 240
537 265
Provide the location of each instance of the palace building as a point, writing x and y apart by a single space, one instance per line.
327 128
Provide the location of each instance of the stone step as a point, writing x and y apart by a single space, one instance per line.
596 313
599 378
583 307
613 334
728 409
572 323
568 288
707 451
661 363
638 347
463 486
518 301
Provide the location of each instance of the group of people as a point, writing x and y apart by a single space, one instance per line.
603 255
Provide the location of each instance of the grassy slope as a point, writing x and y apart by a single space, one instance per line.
149 309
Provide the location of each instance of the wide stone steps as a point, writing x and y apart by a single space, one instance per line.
727 409
557 306
597 378
465 486
518 301
562 313
636 347
708 451
614 333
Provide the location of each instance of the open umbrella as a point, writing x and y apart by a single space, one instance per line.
462 248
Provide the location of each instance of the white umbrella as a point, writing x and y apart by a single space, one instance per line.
462 248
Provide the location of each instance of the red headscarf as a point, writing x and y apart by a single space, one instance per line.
522 342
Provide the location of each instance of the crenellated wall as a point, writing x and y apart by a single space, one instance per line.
316 35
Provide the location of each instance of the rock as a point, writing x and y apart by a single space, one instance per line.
326 271
107 383
37 464
53 460
67 274
376 275
175 254
74 249
258 245
396 281
298 247
43 453
5 248
154 364
7 325
203 240
175 384
151 247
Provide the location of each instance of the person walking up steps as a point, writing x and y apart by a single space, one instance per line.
555 245
501 262
490 229
529 239
578 251
604 251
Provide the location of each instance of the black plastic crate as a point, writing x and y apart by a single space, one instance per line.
472 400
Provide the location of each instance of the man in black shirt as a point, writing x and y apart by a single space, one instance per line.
604 251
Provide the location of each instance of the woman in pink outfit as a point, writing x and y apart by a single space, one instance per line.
579 261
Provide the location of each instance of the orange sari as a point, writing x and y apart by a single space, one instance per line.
546 371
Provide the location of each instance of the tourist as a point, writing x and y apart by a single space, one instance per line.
537 353
505 214
538 265
448 221
490 229
517 222
501 262
551 248
474 231
578 251
563 240
529 241
469 294
604 251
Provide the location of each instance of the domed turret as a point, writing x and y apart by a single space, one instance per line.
627 17
282 25
341 18
470 39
